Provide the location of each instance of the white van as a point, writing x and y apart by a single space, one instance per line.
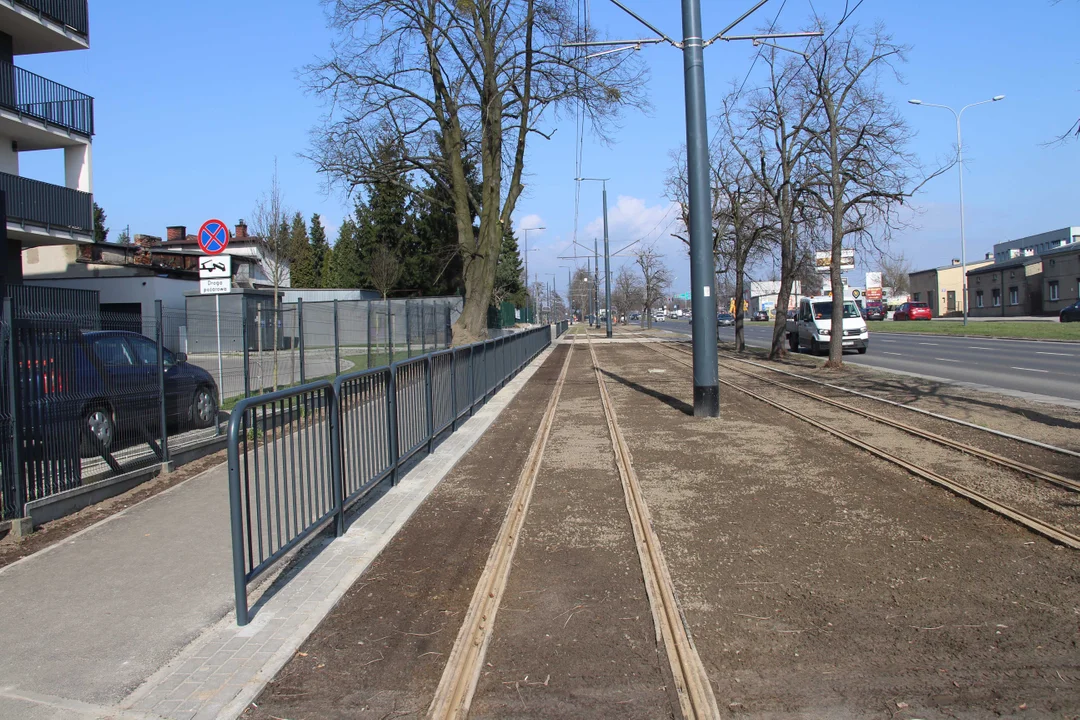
812 326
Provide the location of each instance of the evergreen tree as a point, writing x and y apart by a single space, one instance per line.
437 264
301 258
384 222
101 233
319 253
347 267
508 273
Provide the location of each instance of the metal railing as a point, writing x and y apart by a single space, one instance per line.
299 458
31 94
46 204
561 327
72 13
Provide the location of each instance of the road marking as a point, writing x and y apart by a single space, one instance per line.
973 347
1030 370
1058 354
889 353
922 343
947 360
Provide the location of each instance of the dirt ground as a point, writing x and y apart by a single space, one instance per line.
820 582
816 580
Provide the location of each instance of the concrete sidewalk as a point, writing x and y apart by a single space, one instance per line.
133 617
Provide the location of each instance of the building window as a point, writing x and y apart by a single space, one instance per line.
1014 296
916 296
997 297
978 299
1054 296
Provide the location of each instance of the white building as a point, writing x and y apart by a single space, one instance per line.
39 114
259 265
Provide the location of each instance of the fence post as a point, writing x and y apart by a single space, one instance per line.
159 312
336 483
423 329
389 333
237 428
369 333
337 342
17 472
246 343
300 336
453 390
408 332
391 404
449 328
430 403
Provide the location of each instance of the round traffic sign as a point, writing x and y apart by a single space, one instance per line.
213 237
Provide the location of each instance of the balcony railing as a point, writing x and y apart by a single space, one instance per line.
46 204
73 13
30 94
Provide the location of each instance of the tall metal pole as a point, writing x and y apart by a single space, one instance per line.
596 279
963 238
528 302
702 269
607 267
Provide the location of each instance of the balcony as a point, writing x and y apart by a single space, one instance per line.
43 212
36 97
38 26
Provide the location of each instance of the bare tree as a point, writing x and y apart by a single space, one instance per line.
655 277
384 269
767 130
861 167
270 225
459 85
581 291
627 292
895 273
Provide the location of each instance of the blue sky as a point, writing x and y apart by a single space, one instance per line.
194 101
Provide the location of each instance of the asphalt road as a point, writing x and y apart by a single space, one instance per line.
1017 366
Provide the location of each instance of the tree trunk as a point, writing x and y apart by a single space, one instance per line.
836 333
787 274
740 318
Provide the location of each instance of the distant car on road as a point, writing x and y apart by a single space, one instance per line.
913 311
760 316
1071 313
874 311
725 320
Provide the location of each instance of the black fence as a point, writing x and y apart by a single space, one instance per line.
31 94
299 458
43 203
73 13
561 327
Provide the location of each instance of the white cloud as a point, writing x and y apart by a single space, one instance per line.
530 221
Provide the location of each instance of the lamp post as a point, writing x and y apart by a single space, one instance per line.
960 162
607 257
569 288
525 232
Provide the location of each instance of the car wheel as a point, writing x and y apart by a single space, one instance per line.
793 342
862 350
815 349
203 408
99 430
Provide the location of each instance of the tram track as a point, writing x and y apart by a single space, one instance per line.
696 698
1035 524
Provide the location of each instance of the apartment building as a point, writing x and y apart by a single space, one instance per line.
40 114
1006 289
1061 278
1034 245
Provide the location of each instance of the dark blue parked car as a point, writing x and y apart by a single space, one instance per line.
117 380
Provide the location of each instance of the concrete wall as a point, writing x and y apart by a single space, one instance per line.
1064 269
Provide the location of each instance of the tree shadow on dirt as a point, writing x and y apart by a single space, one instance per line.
672 402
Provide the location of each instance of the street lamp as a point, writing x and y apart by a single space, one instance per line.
569 287
960 162
525 232
607 258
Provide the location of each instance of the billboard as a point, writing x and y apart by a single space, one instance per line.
822 260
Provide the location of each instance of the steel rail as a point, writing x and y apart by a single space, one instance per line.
1051 532
696 698
1024 468
462 672
965 423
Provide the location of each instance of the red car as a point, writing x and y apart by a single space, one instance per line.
913 311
